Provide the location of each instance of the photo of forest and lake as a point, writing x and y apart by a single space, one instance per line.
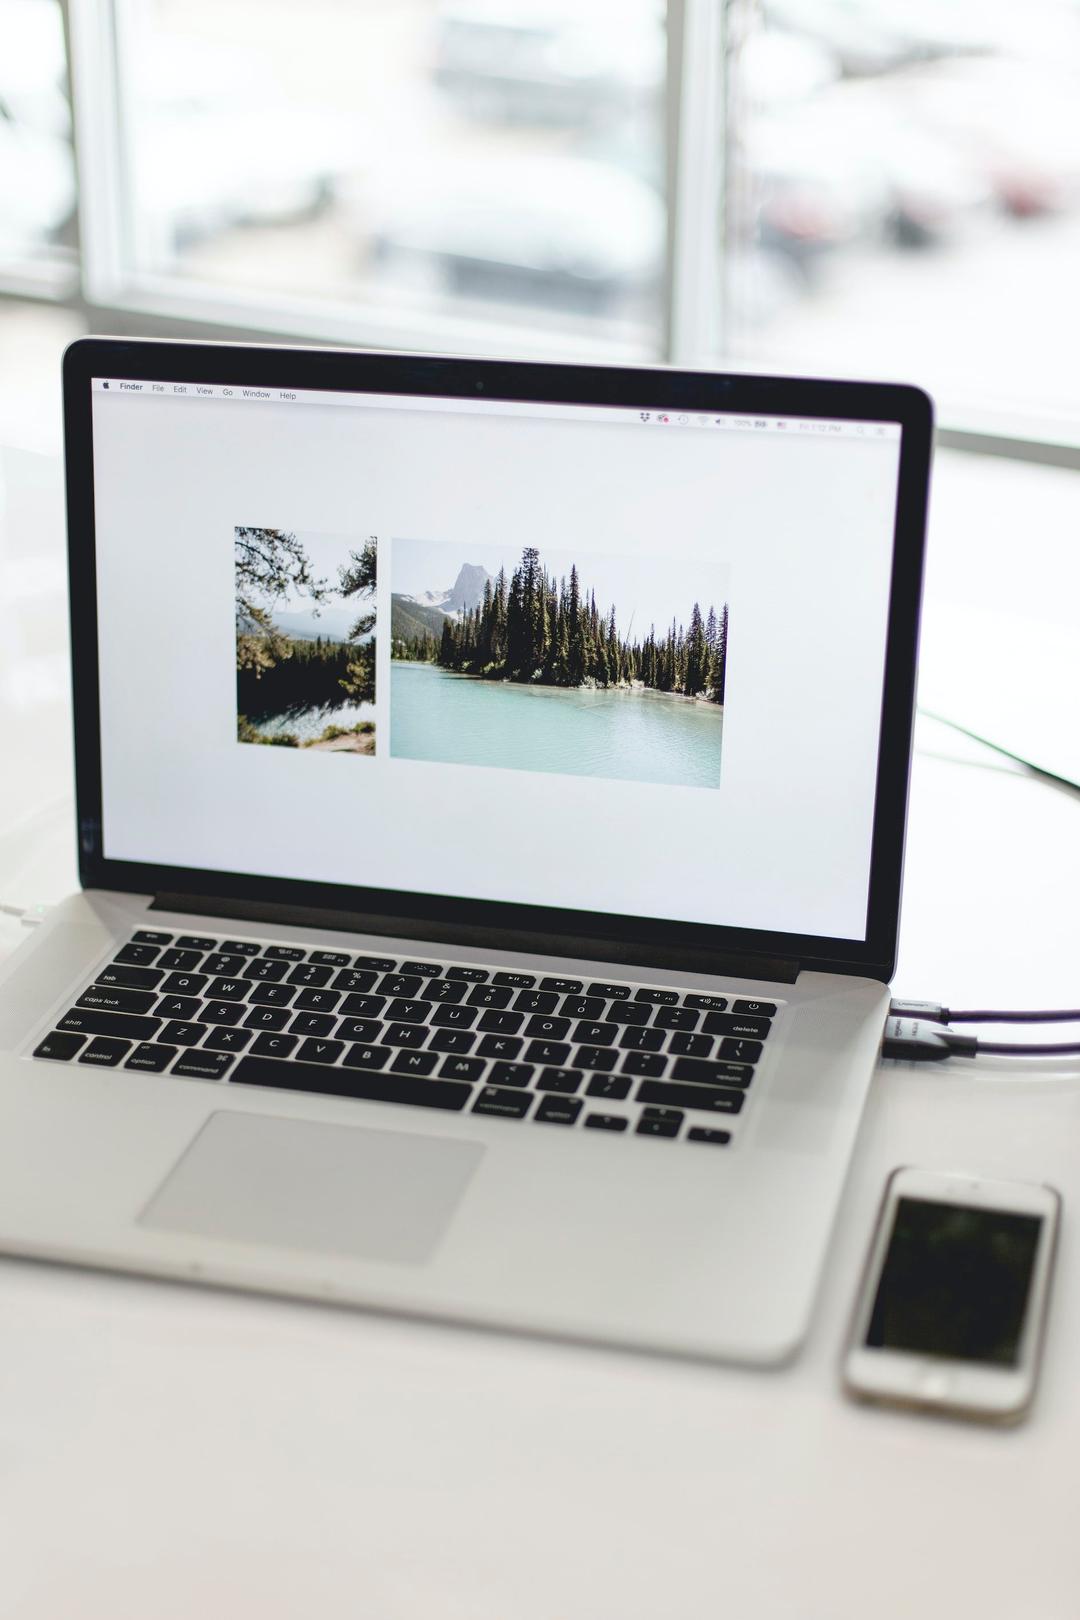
305 640
589 665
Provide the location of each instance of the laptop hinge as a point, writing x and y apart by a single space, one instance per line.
636 953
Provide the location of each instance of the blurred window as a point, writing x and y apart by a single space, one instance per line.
903 196
37 170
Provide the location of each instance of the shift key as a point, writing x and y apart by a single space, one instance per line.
84 1021
712 1099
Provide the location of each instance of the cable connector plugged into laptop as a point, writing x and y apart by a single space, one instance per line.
29 916
916 1040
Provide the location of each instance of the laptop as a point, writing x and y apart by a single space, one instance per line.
491 786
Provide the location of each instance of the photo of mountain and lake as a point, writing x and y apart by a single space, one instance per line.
305 640
587 664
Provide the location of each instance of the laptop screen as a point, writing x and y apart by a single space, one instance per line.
611 660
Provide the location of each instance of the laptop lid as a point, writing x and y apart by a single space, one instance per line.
601 661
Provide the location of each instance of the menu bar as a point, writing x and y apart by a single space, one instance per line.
729 422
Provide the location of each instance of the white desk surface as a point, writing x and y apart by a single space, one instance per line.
167 1452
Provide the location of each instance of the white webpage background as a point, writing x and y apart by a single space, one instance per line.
805 526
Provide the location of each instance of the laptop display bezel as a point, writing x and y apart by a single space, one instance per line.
541 928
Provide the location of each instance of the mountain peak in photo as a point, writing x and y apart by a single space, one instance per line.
467 591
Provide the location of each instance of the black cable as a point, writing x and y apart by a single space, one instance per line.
916 1040
1008 1047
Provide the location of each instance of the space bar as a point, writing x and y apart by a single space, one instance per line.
392 1088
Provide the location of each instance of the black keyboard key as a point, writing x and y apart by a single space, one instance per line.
511 1074
183 1007
228 990
596 1034
355 983
516 981
705 1003
359 1006
705 1133
216 1012
462 1068
105 1052
426 970
469 975
202 1065
582 1007
676 1018
316 1051
195 942
712 1074
326 1001
696 1046
274 1018
364 1056
180 1033
657 998
558 1110
220 962
735 1024
284 953
642 1040
564 1080
130 1001
739 1051
459 1041
130 978
414 1062
150 936
329 958
500 1046
628 1012
644 1063
614 1086
610 992
240 947
554 1052
564 987
409 1012
375 964
58 1046
501 1023
510 1104
268 972
756 1009
550 1029
141 955
535 1001
606 1122
595 1057
226 1040
411 1035
183 984
712 1099
453 1017
127 1026
359 1029
271 995
490 995
273 1045
312 1024
443 990
657 1127
309 975
395 984
151 1058
180 961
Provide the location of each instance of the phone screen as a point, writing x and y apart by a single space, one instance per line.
955 1282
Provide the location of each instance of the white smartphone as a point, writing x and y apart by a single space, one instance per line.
953 1299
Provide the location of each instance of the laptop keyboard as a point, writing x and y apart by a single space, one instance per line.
558 1051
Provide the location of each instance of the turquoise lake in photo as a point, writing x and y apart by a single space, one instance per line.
636 736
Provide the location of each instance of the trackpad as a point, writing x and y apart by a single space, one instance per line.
337 1189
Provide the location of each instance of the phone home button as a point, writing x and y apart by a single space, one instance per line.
932 1384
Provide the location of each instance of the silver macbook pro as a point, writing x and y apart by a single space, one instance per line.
491 789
